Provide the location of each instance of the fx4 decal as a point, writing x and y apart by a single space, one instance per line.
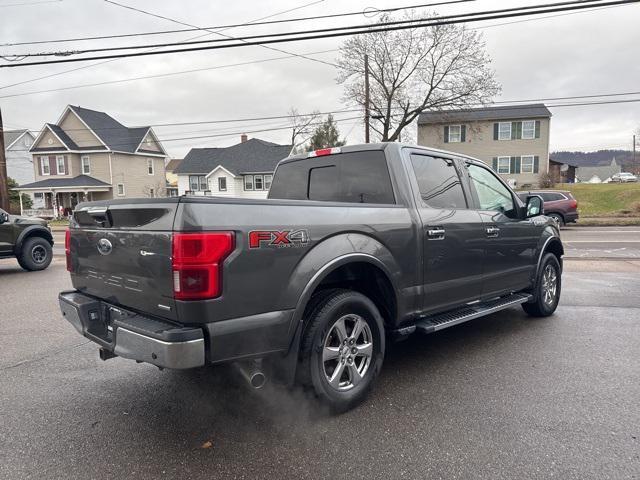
279 239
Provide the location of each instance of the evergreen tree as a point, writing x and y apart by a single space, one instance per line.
326 135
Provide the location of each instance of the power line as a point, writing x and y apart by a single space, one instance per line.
373 10
30 3
113 60
160 75
473 17
218 32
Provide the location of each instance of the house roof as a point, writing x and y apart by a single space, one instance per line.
62 135
252 156
508 112
115 135
79 181
10 136
173 164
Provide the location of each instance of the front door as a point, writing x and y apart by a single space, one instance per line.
452 235
511 241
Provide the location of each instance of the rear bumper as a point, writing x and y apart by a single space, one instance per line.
129 335
571 217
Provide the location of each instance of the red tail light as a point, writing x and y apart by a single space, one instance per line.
324 151
67 250
573 204
197 264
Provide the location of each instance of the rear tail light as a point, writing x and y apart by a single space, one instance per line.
197 264
67 250
573 204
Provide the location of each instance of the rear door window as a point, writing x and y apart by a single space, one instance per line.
356 177
438 182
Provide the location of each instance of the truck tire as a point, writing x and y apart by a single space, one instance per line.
547 289
342 348
36 254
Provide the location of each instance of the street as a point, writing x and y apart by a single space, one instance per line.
506 396
601 242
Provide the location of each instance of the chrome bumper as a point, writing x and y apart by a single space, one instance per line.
157 342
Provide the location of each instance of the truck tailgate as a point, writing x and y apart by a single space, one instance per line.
122 254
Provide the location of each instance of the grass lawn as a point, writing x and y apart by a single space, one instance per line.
605 199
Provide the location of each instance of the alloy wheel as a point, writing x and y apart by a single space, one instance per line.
39 254
549 285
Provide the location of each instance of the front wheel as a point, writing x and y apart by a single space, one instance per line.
342 348
547 289
36 254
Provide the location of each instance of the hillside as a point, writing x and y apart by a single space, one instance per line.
600 157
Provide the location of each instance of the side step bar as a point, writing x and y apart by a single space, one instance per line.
469 312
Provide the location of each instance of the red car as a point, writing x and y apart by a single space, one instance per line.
558 204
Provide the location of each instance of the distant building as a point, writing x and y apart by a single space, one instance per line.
562 172
88 155
242 170
172 177
513 140
600 172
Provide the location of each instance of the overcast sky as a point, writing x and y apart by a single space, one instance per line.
580 54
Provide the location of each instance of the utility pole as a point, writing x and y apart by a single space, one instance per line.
4 189
366 99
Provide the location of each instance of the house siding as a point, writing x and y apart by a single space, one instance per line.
19 161
479 143
78 132
131 170
44 141
148 143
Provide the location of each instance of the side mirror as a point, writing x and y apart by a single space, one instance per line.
535 206
4 217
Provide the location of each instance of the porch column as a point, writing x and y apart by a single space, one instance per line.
54 204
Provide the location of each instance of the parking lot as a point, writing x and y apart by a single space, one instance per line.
505 396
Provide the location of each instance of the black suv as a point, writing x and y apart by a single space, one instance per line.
27 239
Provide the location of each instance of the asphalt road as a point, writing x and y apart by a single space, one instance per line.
502 397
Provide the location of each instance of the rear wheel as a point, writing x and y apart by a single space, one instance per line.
36 254
342 348
547 289
558 218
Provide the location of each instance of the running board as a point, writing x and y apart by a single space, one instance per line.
469 312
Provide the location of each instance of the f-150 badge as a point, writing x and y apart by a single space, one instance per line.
278 239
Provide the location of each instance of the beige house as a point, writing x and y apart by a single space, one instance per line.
514 140
88 155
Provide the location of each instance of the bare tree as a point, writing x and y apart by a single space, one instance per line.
301 126
157 189
416 70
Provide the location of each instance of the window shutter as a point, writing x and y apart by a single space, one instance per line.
514 130
519 130
512 169
66 165
463 133
495 131
495 164
53 168
446 134
536 164
537 129
518 168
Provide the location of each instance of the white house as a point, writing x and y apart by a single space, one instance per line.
19 162
242 170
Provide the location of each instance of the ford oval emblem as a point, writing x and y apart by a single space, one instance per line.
104 246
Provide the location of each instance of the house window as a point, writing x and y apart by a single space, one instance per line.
120 190
258 182
152 192
222 184
86 165
504 164
267 181
455 133
44 166
60 165
198 183
248 182
150 166
526 163
528 129
504 131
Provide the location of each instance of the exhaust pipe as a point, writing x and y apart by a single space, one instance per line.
252 373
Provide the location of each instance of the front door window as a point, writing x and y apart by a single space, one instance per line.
492 194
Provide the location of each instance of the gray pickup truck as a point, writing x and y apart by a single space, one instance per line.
354 246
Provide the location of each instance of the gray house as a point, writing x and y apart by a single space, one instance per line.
19 162
600 172
242 170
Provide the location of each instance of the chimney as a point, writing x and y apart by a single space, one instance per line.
243 138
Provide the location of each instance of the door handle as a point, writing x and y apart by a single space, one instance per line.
492 232
435 233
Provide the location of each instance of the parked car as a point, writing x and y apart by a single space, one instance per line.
623 177
354 246
558 204
29 240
